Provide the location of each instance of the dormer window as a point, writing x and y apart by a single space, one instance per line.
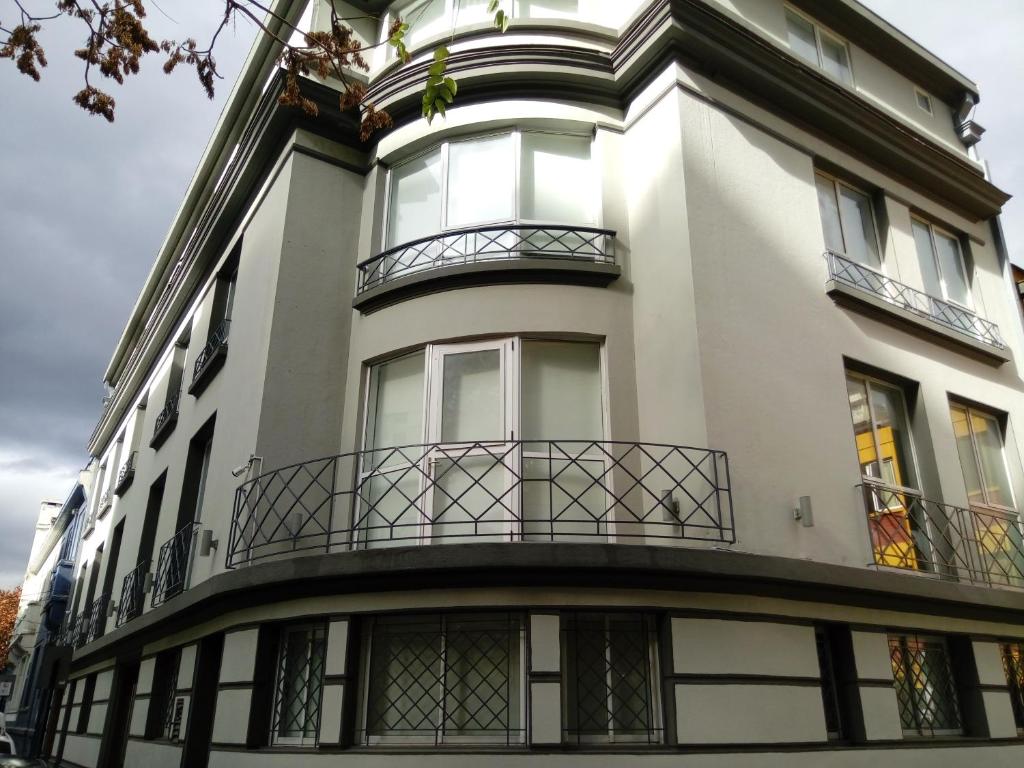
818 47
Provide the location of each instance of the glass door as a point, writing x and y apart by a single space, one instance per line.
471 462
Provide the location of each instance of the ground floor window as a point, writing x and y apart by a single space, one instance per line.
925 686
610 690
300 677
1013 665
444 679
160 721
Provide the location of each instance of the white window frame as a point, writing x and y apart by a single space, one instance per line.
511 388
594 194
979 466
836 184
932 229
819 30
869 382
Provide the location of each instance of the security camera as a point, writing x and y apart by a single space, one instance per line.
239 471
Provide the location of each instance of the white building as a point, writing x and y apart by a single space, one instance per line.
662 402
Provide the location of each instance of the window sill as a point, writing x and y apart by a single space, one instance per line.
464 275
202 378
163 431
877 307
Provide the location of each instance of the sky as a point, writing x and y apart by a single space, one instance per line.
84 207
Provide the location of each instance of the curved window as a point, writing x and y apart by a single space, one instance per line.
510 177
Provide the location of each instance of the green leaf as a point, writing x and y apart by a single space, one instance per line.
446 94
439 106
504 24
440 53
436 69
451 85
492 6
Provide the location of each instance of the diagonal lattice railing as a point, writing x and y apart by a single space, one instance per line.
973 545
541 490
490 243
168 414
217 341
172 564
126 474
956 318
133 593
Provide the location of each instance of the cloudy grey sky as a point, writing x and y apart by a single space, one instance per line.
84 207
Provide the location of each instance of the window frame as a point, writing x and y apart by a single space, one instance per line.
1014 671
971 411
303 741
934 228
836 183
656 728
918 95
516 133
439 738
902 637
874 381
819 30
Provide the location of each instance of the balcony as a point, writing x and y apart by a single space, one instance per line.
165 421
483 255
869 291
485 492
126 475
106 502
210 359
133 593
172 565
972 545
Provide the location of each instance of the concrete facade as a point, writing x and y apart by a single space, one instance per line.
236 553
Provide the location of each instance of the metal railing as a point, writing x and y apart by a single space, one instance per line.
133 593
172 564
106 502
951 316
168 415
126 474
566 490
490 243
217 341
969 544
97 618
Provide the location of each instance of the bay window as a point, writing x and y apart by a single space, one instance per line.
509 177
463 440
942 263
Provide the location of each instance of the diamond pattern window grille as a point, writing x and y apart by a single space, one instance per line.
445 679
300 680
610 690
925 687
169 689
1013 665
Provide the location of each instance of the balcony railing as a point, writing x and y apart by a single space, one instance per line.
133 593
951 316
568 490
172 565
484 244
127 474
210 358
106 502
97 618
974 545
165 420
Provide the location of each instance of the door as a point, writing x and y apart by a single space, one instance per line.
472 461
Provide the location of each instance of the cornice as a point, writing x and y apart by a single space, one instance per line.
563 564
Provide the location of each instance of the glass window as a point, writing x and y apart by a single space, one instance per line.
925 687
300 678
817 47
548 9
474 182
557 179
924 101
609 686
1013 666
979 442
481 181
425 19
395 415
848 221
942 264
561 391
415 207
444 679
471 404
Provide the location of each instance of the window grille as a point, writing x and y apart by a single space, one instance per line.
165 687
300 678
445 679
1013 665
829 685
610 689
925 687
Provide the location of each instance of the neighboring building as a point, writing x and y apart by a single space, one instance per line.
37 644
663 399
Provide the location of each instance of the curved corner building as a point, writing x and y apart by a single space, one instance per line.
661 405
